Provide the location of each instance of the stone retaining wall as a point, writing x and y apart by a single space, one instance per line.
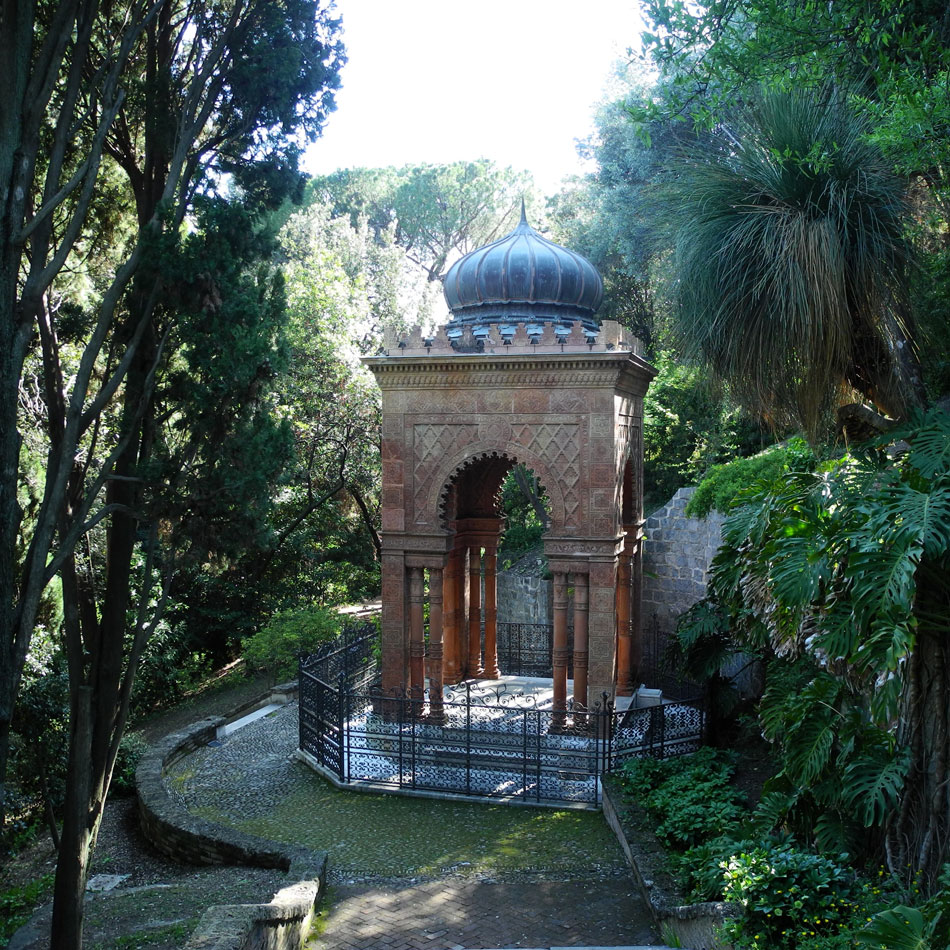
523 598
180 835
695 925
282 924
279 925
677 554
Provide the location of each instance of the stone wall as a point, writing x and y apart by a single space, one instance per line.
677 553
694 925
281 924
523 598
183 837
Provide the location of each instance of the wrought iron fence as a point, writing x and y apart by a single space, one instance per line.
526 649
472 740
354 655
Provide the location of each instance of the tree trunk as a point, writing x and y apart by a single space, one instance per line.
530 491
918 839
11 364
79 827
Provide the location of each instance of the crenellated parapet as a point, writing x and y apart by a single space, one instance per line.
509 337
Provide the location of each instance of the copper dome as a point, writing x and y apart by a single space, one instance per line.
521 277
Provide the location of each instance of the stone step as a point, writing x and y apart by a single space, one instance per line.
230 727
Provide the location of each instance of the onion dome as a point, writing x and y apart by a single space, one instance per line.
523 277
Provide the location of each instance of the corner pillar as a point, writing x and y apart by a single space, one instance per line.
580 646
625 674
560 651
636 608
394 641
416 638
435 643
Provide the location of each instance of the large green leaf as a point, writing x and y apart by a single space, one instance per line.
929 437
798 570
872 784
900 514
899 928
882 579
808 749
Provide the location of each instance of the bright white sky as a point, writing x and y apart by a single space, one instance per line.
515 81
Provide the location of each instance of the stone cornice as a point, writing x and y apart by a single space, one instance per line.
621 369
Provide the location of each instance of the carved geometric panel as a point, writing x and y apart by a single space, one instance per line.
558 444
432 444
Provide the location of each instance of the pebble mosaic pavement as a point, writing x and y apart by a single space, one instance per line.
417 874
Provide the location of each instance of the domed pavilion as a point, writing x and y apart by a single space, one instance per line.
522 373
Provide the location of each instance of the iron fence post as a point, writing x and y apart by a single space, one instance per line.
402 716
468 738
341 725
524 753
413 722
302 711
537 755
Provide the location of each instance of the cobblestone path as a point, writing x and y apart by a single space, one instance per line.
410 873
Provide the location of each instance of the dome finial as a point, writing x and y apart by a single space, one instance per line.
524 216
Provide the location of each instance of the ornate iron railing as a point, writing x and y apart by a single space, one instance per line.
526 649
474 740
354 655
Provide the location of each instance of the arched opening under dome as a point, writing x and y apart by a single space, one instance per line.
495 508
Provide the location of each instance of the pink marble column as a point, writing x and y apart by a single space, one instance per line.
416 641
452 617
490 660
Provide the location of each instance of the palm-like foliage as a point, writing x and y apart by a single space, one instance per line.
849 566
791 260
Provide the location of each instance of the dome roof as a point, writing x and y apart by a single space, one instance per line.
522 277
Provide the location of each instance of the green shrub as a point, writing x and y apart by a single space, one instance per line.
276 647
699 869
690 796
131 749
900 927
17 903
789 896
723 483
